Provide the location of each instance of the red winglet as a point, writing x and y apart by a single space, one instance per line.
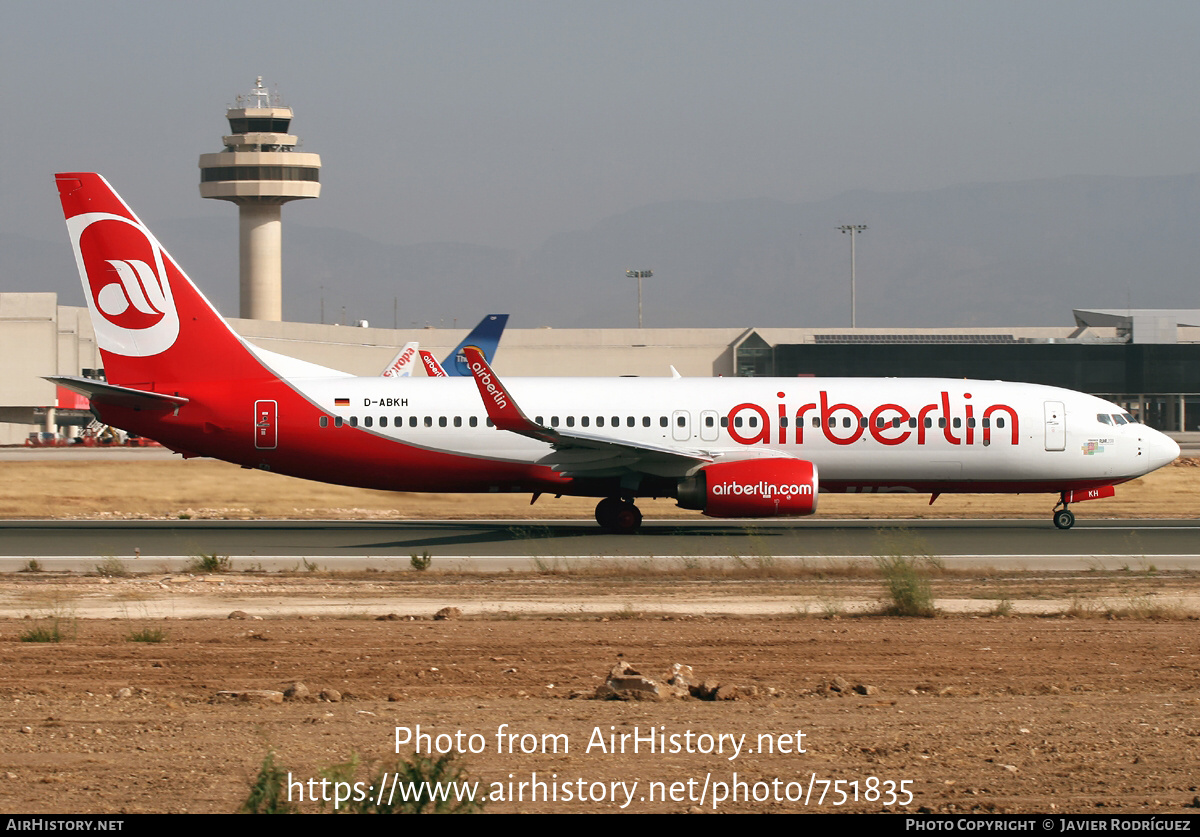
501 407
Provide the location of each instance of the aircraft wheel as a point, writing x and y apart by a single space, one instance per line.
1064 519
606 511
628 519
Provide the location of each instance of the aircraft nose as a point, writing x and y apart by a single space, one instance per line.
1161 448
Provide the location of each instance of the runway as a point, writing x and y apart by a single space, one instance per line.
523 545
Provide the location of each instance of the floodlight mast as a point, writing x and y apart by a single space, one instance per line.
639 275
852 229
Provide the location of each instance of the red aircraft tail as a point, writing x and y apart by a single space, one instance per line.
154 328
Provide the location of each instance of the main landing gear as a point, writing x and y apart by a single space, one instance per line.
1064 518
618 515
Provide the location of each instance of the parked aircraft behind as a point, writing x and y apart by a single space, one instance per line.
728 447
485 336
403 363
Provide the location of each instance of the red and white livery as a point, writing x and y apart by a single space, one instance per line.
728 447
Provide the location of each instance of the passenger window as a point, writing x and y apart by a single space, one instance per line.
737 421
662 421
354 421
368 421
383 421
987 423
441 421
599 421
970 422
681 421
783 421
323 421
458 421
429 421
816 422
629 422
957 423
337 421
895 422
570 421
846 421
473 421
724 421
754 421
554 421
584 421
941 421
490 423
412 421
1000 422
928 421
645 421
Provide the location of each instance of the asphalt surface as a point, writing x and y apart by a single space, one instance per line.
497 546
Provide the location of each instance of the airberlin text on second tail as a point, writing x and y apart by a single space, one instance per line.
897 422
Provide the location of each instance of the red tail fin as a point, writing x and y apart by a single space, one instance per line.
155 330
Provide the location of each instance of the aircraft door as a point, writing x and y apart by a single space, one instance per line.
681 426
710 425
266 431
1056 426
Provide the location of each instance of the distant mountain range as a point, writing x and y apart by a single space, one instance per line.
1007 254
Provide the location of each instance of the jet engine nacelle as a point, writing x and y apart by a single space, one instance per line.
776 487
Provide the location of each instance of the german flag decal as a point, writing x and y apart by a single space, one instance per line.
341 402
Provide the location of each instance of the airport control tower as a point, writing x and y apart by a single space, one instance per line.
260 170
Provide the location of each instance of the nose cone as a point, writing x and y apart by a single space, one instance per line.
1161 449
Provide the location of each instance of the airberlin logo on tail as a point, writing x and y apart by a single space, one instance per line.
133 310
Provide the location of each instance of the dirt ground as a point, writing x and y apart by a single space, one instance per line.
1093 706
1081 711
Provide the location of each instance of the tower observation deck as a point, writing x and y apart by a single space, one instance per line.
260 170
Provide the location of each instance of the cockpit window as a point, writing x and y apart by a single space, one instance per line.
1104 418
1119 419
1130 419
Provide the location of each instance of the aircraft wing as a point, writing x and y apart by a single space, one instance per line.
576 454
105 393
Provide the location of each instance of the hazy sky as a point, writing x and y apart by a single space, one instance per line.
503 122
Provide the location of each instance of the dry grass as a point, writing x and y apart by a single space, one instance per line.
205 488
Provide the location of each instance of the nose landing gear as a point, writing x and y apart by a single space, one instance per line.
1064 518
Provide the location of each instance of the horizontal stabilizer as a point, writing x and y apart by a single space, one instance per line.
105 393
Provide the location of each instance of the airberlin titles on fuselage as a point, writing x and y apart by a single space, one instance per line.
842 423
888 424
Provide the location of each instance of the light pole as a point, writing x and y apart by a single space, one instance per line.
639 275
852 229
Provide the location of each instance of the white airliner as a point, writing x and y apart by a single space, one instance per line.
729 447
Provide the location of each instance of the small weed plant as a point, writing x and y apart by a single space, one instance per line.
148 635
214 563
417 785
906 565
